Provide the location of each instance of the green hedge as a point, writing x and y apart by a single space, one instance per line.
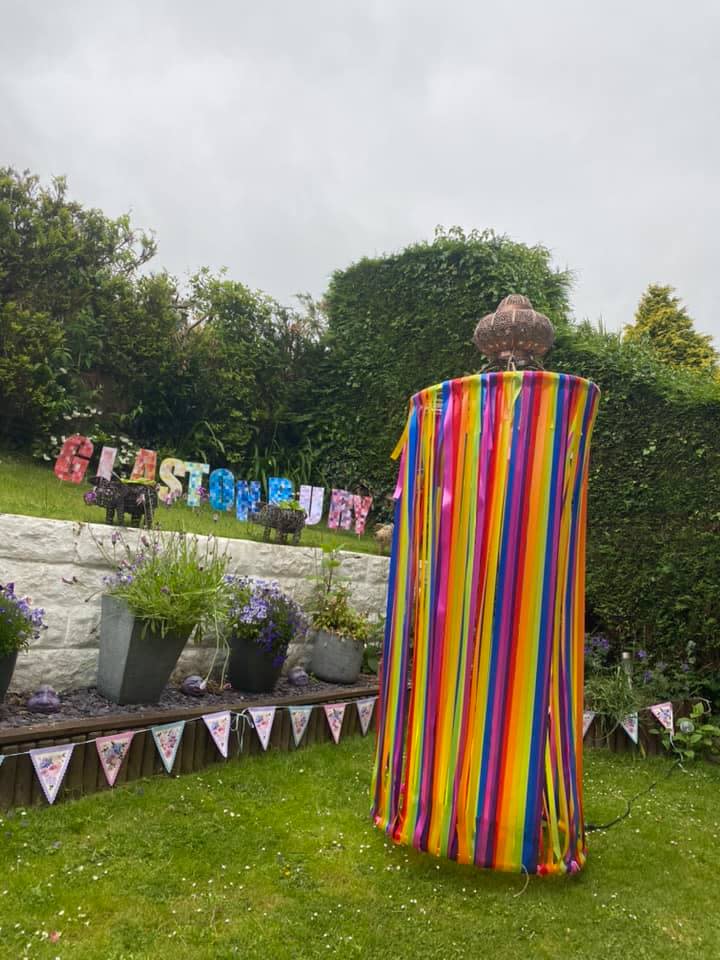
399 323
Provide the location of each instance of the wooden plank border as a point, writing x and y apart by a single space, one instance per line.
19 786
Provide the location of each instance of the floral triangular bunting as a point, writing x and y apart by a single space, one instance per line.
299 717
112 750
335 713
664 713
631 727
50 765
218 725
167 739
588 717
262 720
365 711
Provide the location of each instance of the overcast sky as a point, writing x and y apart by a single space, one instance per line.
284 139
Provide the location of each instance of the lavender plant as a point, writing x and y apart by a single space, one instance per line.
260 612
171 582
19 621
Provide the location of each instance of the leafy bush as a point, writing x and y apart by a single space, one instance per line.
694 737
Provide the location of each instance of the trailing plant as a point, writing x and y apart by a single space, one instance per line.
261 612
19 621
171 582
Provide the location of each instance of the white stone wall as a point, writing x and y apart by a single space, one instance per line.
60 566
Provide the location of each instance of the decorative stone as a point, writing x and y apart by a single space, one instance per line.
44 700
298 677
515 336
193 686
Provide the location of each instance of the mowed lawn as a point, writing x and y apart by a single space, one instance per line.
274 857
32 489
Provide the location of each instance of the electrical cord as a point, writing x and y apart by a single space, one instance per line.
594 827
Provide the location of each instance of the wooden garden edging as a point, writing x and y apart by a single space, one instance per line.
617 740
19 786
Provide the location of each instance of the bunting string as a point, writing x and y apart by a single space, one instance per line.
51 763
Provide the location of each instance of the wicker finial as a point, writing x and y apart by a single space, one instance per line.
515 336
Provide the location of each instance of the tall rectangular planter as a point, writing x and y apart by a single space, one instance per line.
135 662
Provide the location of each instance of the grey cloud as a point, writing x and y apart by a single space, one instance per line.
285 140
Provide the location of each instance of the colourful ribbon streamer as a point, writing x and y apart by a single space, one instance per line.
480 721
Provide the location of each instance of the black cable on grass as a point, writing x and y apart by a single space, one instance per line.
594 827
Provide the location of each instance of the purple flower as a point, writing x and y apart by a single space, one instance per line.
641 655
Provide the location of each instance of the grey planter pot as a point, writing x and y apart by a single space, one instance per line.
135 663
336 659
7 667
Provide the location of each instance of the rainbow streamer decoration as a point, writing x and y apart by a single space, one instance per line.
479 746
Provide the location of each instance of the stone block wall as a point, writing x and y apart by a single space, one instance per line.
60 566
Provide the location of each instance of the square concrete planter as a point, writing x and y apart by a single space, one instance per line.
7 667
135 662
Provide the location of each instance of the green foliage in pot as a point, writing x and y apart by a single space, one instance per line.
330 608
172 583
19 622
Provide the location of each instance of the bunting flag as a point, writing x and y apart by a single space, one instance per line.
50 765
664 713
588 717
219 726
479 747
631 727
112 750
167 739
299 717
365 711
262 720
335 713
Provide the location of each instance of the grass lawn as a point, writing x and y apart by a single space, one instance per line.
30 488
275 858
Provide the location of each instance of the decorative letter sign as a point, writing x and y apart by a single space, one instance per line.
340 510
73 459
280 490
248 495
107 462
145 466
196 471
312 500
170 469
361 506
222 490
